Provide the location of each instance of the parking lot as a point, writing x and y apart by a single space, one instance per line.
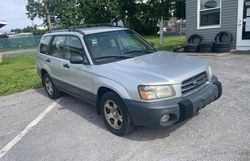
73 131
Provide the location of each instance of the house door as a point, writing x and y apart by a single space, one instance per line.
243 34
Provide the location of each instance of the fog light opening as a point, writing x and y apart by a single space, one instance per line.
165 118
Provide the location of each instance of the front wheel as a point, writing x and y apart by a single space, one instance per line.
115 115
50 88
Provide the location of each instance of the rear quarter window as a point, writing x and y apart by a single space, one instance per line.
44 45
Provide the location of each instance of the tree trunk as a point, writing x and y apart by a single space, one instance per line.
47 14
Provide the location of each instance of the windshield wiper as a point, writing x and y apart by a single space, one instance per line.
114 57
138 51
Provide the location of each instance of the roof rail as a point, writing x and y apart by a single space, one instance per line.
77 28
67 29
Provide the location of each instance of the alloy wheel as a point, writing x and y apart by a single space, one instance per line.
113 114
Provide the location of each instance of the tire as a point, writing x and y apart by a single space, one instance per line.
113 110
50 87
195 39
221 50
191 48
206 47
222 45
224 36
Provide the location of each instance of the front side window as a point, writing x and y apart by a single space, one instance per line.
209 13
116 45
73 47
44 47
58 47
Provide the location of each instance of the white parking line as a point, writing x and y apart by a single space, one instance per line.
13 142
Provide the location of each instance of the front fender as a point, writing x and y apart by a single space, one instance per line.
113 85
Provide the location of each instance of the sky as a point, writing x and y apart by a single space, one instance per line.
13 11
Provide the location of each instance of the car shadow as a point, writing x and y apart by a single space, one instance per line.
88 113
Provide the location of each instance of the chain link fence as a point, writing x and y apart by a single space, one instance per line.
173 27
13 42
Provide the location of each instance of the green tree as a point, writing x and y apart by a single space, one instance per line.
98 11
72 12
17 30
139 15
179 9
28 29
41 9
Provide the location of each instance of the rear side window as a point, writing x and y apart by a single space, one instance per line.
73 47
58 47
44 47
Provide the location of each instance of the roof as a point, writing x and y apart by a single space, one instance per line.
2 23
89 30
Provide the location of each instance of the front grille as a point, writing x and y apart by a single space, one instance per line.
193 83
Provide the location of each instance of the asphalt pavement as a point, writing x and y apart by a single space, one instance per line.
73 131
19 52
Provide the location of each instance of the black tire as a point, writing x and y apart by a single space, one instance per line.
126 126
195 39
54 93
221 50
191 48
205 50
222 45
206 47
224 36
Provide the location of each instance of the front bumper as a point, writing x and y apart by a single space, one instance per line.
179 109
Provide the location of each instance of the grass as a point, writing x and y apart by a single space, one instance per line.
18 74
170 42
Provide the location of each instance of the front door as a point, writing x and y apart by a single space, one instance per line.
78 78
243 34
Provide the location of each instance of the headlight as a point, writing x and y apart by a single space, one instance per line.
210 72
156 92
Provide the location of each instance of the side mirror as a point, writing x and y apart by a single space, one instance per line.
76 60
152 44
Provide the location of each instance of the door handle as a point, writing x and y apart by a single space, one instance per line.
65 65
48 60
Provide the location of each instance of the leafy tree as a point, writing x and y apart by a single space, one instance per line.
127 10
17 30
98 11
72 12
179 9
139 15
41 9
28 29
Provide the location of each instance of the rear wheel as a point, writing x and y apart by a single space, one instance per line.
50 87
115 115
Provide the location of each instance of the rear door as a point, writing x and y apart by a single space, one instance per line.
56 57
42 56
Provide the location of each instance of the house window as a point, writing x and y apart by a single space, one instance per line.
209 13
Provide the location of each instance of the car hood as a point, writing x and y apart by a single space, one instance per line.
156 68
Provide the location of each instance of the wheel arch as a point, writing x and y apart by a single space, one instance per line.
42 72
118 89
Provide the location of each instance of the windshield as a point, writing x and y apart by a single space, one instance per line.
116 45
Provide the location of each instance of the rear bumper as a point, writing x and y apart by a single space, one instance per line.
179 109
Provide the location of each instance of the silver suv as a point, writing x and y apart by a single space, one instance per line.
125 77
